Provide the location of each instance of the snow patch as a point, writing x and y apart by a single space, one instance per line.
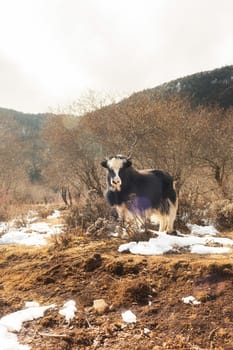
202 230
13 323
31 304
54 215
191 300
33 234
129 317
68 310
9 340
202 240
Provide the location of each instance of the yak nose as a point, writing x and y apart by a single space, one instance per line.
116 181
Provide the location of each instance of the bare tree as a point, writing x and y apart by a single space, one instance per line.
12 163
215 143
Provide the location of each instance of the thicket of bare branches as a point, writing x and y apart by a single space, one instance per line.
12 169
194 144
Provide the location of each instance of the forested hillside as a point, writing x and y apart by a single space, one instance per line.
206 88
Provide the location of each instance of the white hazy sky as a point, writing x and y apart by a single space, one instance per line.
52 51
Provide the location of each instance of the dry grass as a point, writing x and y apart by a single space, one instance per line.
64 240
44 212
222 214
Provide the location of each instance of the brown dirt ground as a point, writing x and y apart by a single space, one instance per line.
151 287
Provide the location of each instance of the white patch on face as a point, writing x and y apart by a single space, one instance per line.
115 164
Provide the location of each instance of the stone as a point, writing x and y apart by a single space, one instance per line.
100 306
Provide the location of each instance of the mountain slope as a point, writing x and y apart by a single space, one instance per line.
213 87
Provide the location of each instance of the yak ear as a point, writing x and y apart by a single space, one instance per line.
128 163
104 163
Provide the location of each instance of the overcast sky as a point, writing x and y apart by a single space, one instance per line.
52 51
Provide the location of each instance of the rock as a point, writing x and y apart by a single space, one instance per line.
100 306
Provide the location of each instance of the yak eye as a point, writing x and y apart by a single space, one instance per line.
111 173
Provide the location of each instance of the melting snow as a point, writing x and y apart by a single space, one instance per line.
190 300
31 304
68 310
202 230
9 340
34 234
13 323
146 331
129 317
55 214
202 240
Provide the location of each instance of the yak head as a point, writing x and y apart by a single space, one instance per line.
117 171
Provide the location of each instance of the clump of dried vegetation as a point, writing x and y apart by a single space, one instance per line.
13 211
44 211
87 210
93 217
4 213
63 240
222 213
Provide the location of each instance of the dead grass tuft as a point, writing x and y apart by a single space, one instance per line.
63 240
121 268
9 211
44 212
222 214
137 234
87 212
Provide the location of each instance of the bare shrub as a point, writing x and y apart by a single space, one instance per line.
187 212
221 213
10 210
74 217
87 211
4 213
138 230
21 221
192 208
101 228
63 240
94 216
44 212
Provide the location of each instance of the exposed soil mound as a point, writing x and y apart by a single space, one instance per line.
137 291
93 263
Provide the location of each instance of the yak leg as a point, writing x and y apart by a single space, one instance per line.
123 212
171 216
129 218
162 223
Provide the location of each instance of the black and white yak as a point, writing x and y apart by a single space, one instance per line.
140 193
